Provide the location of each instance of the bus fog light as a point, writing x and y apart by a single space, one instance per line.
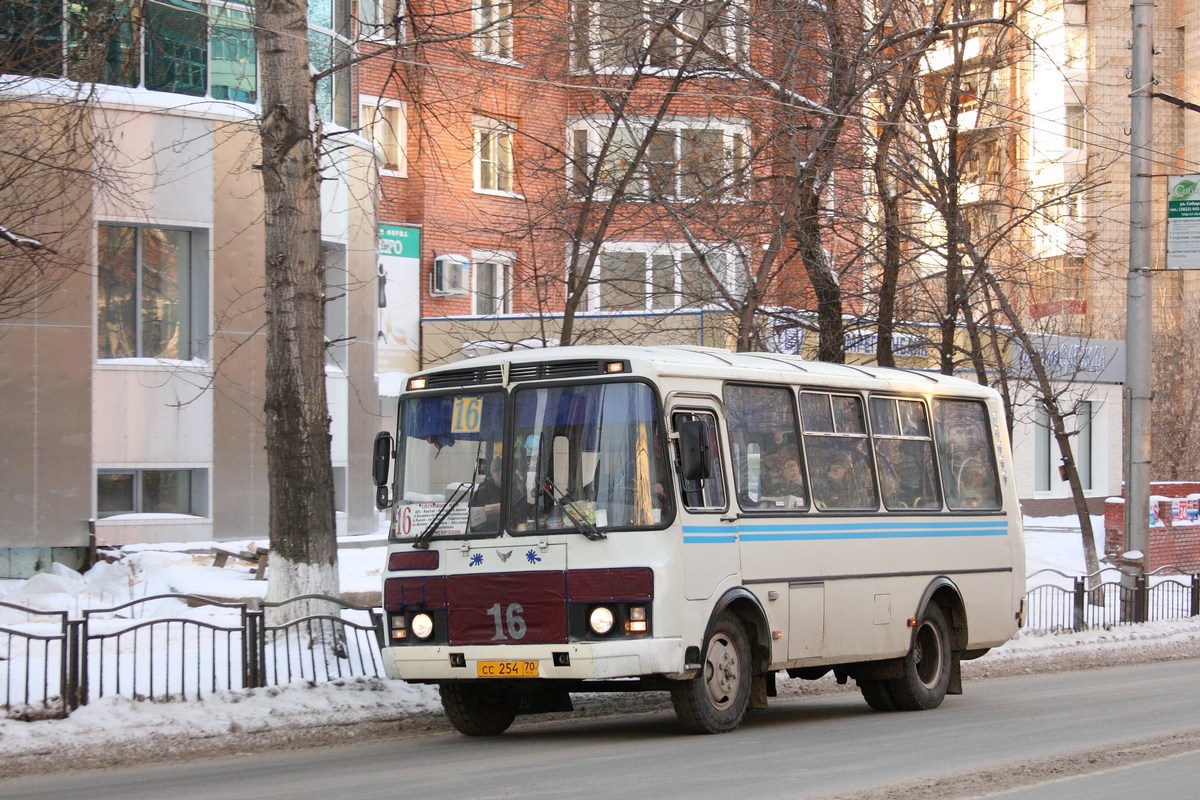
422 626
601 620
637 620
399 632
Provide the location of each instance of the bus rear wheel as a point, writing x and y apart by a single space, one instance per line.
715 700
928 665
479 709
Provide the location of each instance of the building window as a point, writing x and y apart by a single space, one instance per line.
234 61
151 491
982 156
494 29
192 48
1075 137
1046 454
31 37
329 47
493 285
176 56
381 19
620 34
1058 286
385 124
649 277
683 160
493 155
337 330
148 305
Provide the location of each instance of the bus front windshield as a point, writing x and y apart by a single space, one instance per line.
583 457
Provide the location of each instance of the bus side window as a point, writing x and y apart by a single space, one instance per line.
967 455
701 476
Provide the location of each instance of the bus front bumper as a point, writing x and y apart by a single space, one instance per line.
626 658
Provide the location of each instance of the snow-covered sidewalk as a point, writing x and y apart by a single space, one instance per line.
112 730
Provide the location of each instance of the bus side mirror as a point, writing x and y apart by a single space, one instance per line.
381 465
693 450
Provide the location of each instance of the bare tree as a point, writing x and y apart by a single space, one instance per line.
302 524
974 219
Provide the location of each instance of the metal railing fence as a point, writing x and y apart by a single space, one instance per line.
51 664
1104 600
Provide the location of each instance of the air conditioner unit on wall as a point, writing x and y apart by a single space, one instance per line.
450 274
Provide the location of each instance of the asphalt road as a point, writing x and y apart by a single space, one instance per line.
1095 734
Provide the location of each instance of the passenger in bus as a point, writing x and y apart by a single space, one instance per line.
844 484
783 483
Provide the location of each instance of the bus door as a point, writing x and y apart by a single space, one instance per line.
709 536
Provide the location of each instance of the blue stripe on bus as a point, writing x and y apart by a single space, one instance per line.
843 531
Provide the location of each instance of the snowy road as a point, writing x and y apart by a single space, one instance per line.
1013 733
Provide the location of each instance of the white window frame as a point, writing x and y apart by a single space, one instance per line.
735 167
1082 428
679 252
735 37
492 22
198 489
493 158
374 112
337 305
197 325
1074 126
375 19
502 262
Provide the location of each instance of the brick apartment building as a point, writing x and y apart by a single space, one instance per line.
505 139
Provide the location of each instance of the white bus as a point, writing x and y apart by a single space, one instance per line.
691 520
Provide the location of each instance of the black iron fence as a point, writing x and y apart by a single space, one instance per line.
1105 600
51 664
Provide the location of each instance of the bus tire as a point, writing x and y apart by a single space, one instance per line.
479 709
877 695
716 699
927 666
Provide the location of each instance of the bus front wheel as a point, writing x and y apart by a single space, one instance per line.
479 709
715 700
927 667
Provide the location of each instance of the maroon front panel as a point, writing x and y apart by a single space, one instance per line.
632 584
421 594
417 559
508 608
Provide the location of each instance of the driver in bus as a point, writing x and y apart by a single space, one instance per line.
487 498
485 503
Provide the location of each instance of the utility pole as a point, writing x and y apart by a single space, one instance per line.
1139 301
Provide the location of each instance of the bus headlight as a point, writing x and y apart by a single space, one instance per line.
600 620
422 626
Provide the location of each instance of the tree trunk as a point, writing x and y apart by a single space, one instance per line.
1042 377
300 474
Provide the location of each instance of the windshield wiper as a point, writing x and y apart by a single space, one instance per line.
422 540
463 490
556 495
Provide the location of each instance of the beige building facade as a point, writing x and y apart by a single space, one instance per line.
133 394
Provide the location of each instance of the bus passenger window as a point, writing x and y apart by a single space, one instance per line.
840 465
967 455
762 426
904 451
706 493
